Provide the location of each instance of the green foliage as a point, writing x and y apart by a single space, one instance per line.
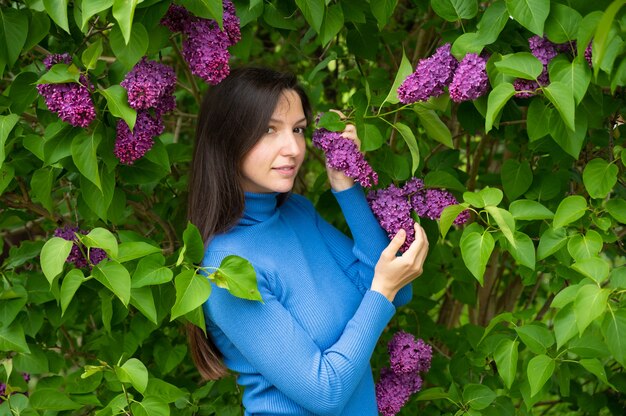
524 304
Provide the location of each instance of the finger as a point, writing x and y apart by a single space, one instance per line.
423 253
395 243
341 115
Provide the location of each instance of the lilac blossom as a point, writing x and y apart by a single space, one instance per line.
528 87
177 18
393 390
393 212
430 78
151 84
132 145
470 79
588 54
343 154
409 355
231 23
430 203
71 100
76 256
206 51
543 49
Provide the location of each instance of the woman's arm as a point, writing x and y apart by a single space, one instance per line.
273 342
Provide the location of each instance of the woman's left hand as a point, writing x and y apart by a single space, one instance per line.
338 180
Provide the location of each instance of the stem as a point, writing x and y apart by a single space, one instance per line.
192 81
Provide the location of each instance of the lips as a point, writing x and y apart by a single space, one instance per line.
285 170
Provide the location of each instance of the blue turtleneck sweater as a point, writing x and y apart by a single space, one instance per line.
305 349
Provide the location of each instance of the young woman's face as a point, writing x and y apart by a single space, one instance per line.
272 164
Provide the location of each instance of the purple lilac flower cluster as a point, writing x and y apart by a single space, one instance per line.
71 100
588 54
343 154
430 78
392 207
408 357
76 256
470 79
466 80
205 47
150 86
3 387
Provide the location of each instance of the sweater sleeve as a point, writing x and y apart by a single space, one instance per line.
273 342
369 239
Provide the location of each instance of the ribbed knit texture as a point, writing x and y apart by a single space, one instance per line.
306 349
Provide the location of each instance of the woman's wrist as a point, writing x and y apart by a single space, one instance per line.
339 181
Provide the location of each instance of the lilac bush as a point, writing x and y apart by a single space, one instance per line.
132 145
151 84
77 254
470 79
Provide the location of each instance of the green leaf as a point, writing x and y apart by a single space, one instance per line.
565 325
92 7
331 121
478 396
71 282
531 14
114 277
524 250
129 53
57 10
411 142
101 238
53 256
12 339
492 22
41 186
12 302
239 277
84 154
13 32
589 305
124 11
134 372
150 406
117 101
520 65
539 370
476 248
498 97
404 71
51 399
538 119
192 290
585 246
505 222
333 23
570 141
151 271
562 24
569 210
575 75
38 29
23 91
614 332
90 55
60 74
536 337
207 9
442 179
453 10
132 250
467 43
595 268
143 299
434 127
448 215
516 178
600 177
526 209
193 248
371 138
595 367
601 40
313 11
617 208
382 11
561 96
99 201
490 196
6 125
505 356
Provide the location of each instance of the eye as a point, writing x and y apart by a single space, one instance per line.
299 130
270 130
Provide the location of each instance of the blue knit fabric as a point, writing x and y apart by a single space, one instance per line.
306 349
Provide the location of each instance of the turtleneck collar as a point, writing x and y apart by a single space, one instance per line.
259 207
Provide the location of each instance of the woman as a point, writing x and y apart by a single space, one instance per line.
326 299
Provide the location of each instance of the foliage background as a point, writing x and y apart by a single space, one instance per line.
524 306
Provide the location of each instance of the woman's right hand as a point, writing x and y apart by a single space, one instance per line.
393 272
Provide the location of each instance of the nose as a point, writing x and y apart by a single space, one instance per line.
291 144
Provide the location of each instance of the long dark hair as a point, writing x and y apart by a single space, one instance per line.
234 115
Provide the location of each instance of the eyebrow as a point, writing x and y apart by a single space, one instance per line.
302 120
